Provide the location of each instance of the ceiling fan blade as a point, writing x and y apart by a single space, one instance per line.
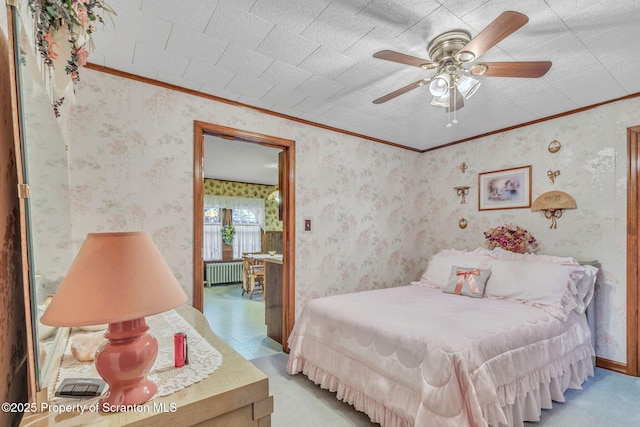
501 27
456 100
400 91
511 69
390 55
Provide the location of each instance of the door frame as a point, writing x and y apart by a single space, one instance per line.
288 212
633 251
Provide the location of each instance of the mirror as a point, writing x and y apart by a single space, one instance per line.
46 172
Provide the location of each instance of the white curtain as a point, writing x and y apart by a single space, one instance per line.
247 238
212 242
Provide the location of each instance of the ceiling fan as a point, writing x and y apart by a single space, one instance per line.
451 54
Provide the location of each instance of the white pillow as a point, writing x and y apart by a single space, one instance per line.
440 264
541 284
504 254
586 288
583 277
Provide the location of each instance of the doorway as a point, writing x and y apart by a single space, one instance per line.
287 190
633 252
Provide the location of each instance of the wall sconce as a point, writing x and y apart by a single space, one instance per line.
463 167
463 192
553 203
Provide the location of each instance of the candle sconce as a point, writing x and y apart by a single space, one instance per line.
553 175
463 192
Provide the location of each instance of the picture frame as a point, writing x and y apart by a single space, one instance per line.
505 189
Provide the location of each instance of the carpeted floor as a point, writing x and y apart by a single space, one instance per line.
606 400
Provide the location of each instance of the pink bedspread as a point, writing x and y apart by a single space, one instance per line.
416 356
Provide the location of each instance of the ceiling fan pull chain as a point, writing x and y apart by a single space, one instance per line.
455 107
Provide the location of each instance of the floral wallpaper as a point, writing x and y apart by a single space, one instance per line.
378 211
218 187
131 167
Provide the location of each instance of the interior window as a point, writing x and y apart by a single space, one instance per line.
244 216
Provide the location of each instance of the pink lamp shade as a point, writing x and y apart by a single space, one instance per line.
118 278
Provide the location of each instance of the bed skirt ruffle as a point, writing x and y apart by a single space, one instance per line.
527 407
377 412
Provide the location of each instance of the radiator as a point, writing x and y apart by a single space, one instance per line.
223 272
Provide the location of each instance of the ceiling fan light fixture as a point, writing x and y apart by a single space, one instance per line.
441 101
439 85
467 86
453 83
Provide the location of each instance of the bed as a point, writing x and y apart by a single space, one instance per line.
484 338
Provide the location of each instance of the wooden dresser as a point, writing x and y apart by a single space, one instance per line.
235 395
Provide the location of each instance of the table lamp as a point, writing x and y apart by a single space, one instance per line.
118 278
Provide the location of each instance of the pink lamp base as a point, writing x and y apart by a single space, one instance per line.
124 361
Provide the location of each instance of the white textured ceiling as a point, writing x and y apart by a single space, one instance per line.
312 59
240 161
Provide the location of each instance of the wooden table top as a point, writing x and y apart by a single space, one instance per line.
235 384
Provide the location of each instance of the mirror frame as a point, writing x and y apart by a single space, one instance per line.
16 107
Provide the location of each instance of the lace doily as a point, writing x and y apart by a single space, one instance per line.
203 358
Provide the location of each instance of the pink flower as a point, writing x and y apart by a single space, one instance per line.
512 238
81 12
82 55
50 45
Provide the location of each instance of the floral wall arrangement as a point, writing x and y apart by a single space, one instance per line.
218 187
63 37
228 234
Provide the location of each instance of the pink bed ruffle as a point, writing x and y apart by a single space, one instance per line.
522 407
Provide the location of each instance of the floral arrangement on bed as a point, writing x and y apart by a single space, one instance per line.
511 238
228 233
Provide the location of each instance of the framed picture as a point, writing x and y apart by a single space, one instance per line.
505 189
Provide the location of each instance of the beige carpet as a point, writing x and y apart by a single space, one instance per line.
607 400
